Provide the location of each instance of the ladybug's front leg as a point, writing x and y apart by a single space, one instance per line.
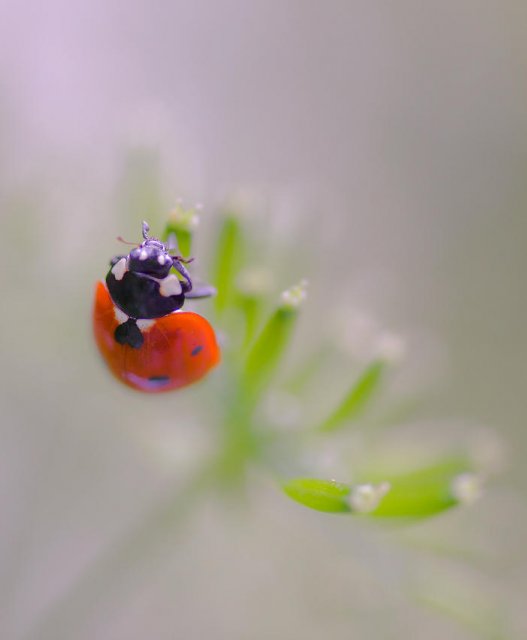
201 290
186 284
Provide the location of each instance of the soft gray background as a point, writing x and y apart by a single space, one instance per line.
386 139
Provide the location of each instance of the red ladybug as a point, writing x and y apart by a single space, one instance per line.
146 341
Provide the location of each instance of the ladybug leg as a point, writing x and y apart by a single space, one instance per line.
201 291
186 285
130 334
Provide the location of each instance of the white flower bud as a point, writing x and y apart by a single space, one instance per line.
389 347
255 281
467 487
365 498
294 296
185 218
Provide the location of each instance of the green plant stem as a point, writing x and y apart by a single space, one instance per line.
267 352
228 259
251 306
238 441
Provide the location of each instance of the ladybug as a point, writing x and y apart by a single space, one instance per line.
146 340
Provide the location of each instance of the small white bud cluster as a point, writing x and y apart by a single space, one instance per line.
467 487
365 498
255 281
365 339
185 218
389 347
294 296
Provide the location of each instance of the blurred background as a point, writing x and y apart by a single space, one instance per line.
379 149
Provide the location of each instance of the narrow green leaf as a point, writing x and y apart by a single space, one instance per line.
252 287
415 501
229 257
306 372
184 240
357 397
266 353
419 494
431 489
321 495
251 306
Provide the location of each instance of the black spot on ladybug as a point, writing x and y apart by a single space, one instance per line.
196 350
158 381
130 334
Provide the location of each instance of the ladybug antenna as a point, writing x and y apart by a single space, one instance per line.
183 260
146 229
121 239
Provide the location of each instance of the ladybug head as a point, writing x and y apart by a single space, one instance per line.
150 257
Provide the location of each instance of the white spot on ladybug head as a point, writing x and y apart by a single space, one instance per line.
120 268
170 286
143 254
161 259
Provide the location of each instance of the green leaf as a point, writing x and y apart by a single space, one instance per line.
321 495
228 260
266 353
418 494
307 370
357 398
252 288
430 489
251 307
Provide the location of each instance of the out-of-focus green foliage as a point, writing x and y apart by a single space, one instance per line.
322 495
430 489
423 492
251 367
229 258
181 224
357 398
254 353
265 354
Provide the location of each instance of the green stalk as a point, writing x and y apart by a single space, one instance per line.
229 257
